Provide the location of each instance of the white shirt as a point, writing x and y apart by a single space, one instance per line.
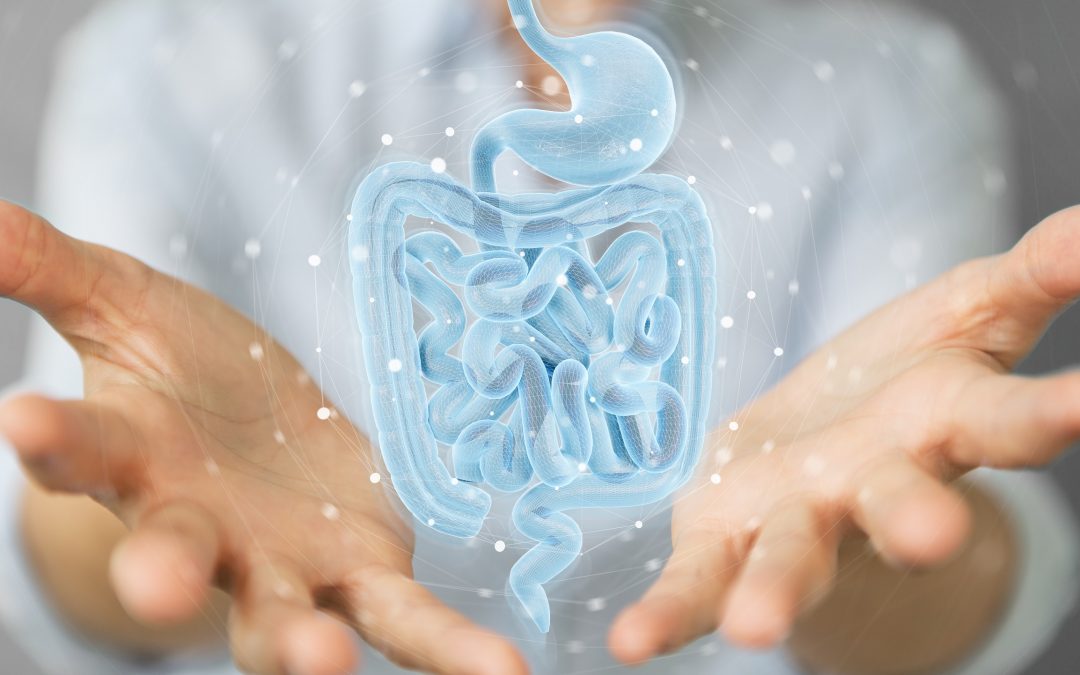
845 154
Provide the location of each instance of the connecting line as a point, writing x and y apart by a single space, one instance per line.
555 391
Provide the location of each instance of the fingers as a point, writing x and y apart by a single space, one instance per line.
1013 421
415 630
163 571
682 605
790 568
1039 277
910 517
71 446
275 628
45 269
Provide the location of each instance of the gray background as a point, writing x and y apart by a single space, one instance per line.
1029 45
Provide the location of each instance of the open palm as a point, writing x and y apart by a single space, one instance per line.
865 433
210 441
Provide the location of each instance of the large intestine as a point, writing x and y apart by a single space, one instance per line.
554 390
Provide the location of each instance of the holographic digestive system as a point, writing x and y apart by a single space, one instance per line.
581 383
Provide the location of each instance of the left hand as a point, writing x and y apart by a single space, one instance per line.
865 434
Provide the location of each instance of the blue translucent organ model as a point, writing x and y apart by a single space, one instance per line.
556 390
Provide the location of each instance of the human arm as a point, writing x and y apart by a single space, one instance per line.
823 453
211 451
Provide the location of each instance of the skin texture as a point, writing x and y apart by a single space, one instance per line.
219 465
751 553
827 452
867 453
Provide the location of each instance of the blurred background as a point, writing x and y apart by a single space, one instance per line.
1029 46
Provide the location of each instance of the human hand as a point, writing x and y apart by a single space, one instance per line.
864 434
202 435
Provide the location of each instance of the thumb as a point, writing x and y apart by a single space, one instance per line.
68 281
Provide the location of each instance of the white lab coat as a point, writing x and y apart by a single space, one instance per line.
846 154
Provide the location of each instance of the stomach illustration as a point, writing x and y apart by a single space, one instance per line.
578 380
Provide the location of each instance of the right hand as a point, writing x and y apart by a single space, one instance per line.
221 467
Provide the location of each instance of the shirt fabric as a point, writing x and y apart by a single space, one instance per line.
845 155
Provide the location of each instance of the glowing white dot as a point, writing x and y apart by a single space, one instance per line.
500 546
752 210
779 351
733 425
519 84
824 71
252 248
725 143
323 413
764 211
638 524
394 365
654 112
681 262
330 512
387 139
685 360
375 478
314 260
768 446
691 179
727 322
692 65
466 82
636 144
715 479
654 565
578 119
551 85
287 49
357 89
256 351
450 131
609 301
438 165
562 280
431 522
279 437
814 466
178 245
751 295
782 152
